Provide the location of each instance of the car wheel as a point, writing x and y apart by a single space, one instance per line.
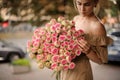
13 57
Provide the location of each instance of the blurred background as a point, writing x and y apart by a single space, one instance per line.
18 20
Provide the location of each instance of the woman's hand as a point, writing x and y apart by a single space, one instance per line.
84 46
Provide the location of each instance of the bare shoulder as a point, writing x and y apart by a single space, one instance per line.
75 17
98 28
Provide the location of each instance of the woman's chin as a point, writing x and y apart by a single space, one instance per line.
82 13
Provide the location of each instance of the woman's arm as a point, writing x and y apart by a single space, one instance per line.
85 47
93 56
97 30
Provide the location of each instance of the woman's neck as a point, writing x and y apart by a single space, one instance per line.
87 17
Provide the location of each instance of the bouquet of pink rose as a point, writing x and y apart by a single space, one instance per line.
55 45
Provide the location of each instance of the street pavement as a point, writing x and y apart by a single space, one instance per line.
6 73
100 72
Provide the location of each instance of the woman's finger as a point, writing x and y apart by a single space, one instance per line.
84 45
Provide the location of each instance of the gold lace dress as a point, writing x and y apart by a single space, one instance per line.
83 71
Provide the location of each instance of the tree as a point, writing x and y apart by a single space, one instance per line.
35 11
39 11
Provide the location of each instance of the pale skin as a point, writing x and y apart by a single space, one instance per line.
90 24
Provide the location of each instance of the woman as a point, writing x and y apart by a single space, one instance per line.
93 47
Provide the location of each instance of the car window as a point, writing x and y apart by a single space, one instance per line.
117 34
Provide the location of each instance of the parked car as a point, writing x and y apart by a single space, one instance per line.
114 48
10 52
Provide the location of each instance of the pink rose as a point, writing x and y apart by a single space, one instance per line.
52 45
54 34
42 32
54 65
38 36
82 37
65 67
64 29
54 51
55 58
53 28
36 31
69 37
58 31
62 57
78 39
48 39
80 31
64 33
57 25
71 65
48 35
48 25
34 50
40 57
73 29
70 47
36 44
67 53
66 43
72 42
62 37
63 45
49 50
33 42
76 46
78 52
76 34
54 39
37 40
53 21
46 44
63 61
73 56
45 54
44 58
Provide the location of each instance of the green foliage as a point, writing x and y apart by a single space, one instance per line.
38 8
118 4
22 62
1 19
102 13
52 8
114 11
